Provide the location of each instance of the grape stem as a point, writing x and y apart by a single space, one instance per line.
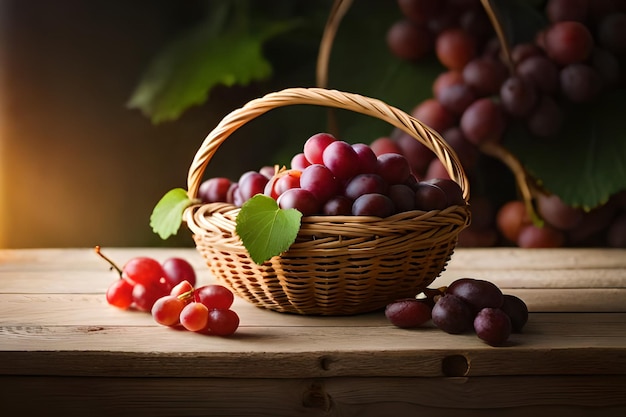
521 177
504 44
113 265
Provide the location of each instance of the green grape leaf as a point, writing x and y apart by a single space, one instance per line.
183 74
586 163
265 229
167 215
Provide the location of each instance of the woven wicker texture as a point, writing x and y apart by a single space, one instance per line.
338 265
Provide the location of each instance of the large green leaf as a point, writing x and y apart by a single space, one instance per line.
184 73
265 229
586 163
167 215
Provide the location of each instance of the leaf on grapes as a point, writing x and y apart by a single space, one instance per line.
167 215
265 229
586 163
184 73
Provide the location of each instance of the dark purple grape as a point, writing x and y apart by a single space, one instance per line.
429 197
403 197
300 199
478 293
456 97
408 313
484 76
378 205
452 315
338 205
483 121
365 184
452 190
408 40
252 183
580 82
367 158
341 159
518 96
516 309
539 71
393 168
493 326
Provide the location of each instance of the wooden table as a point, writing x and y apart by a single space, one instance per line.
64 351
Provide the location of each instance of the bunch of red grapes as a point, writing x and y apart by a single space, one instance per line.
467 304
166 290
333 177
580 54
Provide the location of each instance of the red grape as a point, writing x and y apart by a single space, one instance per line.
214 190
214 296
408 313
493 326
455 48
222 322
120 294
320 181
315 145
373 204
178 270
568 42
194 316
300 199
166 310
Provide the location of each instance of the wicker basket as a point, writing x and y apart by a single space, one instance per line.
339 265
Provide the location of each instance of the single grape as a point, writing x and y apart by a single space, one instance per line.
365 184
338 205
483 121
445 80
300 199
214 296
564 10
267 171
408 40
384 145
433 114
452 190
222 322
214 190
518 96
455 48
407 313
560 215
524 50
568 42
517 310
315 145
580 82
373 204
477 293
299 162
145 295
251 183
143 270
166 310
456 98
452 315
484 75
402 196
120 294
540 72
429 197
341 159
320 181
493 326
178 270
367 158
511 218
532 236
393 168
194 316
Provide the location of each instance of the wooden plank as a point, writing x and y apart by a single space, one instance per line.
363 397
566 343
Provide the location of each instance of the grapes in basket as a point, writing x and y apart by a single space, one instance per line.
335 178
466 305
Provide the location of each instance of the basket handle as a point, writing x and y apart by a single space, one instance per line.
328 98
